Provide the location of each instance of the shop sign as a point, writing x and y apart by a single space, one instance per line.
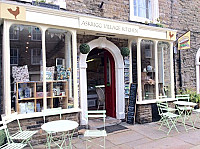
12 12
184 41
108 26
171 35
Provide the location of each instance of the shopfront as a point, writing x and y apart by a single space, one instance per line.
43 67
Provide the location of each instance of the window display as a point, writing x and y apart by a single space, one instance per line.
29 92
148 69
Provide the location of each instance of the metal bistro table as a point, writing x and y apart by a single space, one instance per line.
185 109
64 126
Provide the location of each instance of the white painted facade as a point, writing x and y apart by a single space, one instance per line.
73 22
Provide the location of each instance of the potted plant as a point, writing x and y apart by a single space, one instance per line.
125 51
84 48
194 97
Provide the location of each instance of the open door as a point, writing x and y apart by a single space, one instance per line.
109 77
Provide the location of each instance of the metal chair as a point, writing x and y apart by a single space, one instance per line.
10 144
162 97
168 118
24 136
52 111
91 134
185 111
170 109
184 97
101 97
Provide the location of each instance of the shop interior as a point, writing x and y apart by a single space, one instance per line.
95 79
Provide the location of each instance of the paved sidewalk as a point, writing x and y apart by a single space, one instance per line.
146 136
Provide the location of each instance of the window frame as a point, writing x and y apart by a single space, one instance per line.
35 56
11 57
38 34
154 15
12 34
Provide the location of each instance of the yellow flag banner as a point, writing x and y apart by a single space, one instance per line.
184 41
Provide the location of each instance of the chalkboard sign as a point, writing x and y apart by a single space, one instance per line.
132 103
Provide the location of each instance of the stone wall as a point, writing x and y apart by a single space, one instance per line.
35 124
115 9
143 113
181 16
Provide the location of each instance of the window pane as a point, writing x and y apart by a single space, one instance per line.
164 74
148 69
142 8
24 76
59 67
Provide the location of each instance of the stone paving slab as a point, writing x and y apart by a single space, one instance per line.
145 136
165 143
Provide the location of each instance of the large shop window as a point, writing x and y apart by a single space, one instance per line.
143 10
27 69
149 76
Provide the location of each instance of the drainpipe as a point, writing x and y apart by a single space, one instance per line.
180 76
174 59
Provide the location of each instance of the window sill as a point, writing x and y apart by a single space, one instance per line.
139 19
39 114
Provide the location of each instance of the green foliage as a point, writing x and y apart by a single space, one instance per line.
125 51
84 48
2 137
194 97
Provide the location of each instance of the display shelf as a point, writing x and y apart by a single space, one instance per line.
31 94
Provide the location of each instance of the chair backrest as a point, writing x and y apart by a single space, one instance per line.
161 97
52 111
97 114
184 97
100 94
162 107
9 118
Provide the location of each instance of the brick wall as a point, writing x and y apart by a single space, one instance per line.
35 124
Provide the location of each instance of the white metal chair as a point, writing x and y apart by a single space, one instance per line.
10 144
52 111
91 134
170 109
101 97
162 97
24 136
168 118
183 97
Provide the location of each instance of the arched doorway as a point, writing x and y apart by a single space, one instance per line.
103 43
101 93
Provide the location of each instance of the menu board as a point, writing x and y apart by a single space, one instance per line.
132 103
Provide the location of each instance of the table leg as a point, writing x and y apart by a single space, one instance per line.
185 114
